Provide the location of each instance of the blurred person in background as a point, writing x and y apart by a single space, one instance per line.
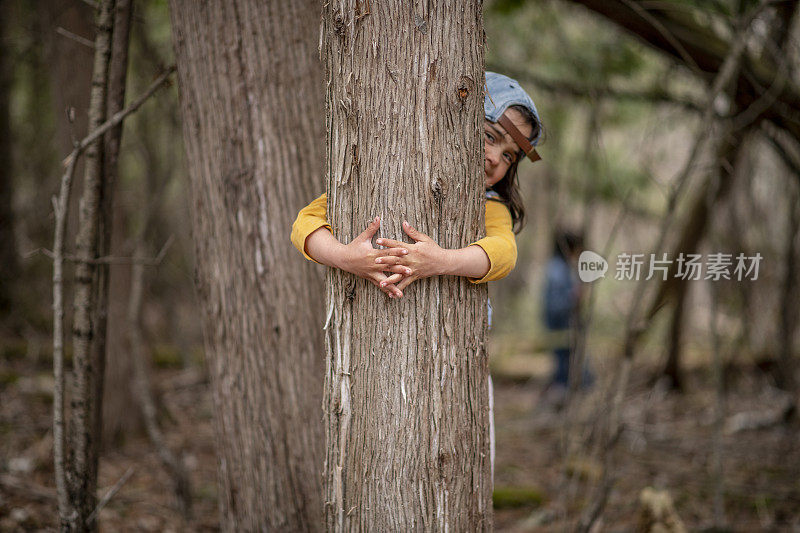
562 299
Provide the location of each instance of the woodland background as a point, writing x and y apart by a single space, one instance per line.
706 423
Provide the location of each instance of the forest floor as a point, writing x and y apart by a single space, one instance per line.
667 443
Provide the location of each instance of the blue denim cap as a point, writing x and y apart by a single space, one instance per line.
501 93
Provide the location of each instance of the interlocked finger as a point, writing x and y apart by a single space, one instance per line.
390 289
394 278
391 251
389 260
397 269
392 243
406 282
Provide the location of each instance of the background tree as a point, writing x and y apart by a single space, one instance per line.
406 398
251 100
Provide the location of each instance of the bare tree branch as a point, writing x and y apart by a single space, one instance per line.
655 94
708 51
110 494
666 33
60 207
75 37
119 117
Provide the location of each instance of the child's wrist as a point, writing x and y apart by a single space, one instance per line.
340 258
448 261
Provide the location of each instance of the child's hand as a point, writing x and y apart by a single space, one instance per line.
424 257
360 258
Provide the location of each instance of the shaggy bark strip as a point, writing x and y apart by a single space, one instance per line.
406 396
251 99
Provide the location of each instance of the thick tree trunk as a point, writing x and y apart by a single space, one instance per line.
406 396
251 98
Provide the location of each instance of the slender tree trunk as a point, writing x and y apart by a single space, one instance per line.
789 305
86 332
672 369
8 246
251 98
156 172
406 395
118 401
139 382
121 414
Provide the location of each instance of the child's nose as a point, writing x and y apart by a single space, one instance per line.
491 156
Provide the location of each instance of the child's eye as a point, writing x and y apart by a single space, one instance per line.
489 137
508 157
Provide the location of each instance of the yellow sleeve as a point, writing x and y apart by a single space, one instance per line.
310 219
499 244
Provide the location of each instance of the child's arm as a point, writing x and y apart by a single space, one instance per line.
488 259
358 257
312 236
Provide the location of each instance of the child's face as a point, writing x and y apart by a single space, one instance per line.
500 149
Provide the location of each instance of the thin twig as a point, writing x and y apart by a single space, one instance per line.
60 207
719 412
75 37
114 260
29 489
576 89
110 494
791 162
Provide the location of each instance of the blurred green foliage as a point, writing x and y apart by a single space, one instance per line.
512 497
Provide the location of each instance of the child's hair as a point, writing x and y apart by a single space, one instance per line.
508 187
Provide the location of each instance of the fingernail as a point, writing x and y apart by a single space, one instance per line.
379 241
408 271
404 251
378 260
405 223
